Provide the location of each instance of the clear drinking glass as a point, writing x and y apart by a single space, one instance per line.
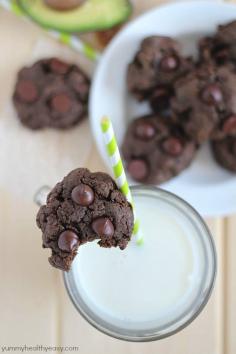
177 273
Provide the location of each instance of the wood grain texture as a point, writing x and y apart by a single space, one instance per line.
230 286
28 294
34 306
28 305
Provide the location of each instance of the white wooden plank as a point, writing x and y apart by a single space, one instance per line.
230 287
95 162
17 38
28 305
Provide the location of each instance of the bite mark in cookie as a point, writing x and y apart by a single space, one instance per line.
84 207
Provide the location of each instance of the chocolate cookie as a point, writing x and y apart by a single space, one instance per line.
51 93
84 207
156 66
220 48
156 151
205 103
224 152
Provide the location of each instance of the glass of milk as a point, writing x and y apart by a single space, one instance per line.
151 291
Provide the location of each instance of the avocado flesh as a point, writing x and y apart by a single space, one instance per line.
92 15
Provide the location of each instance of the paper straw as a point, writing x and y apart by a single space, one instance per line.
118 170
69 39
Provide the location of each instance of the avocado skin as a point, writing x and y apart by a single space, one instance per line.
76 28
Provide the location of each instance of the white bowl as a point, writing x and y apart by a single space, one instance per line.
207 186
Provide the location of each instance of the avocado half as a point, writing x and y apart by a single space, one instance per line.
92 15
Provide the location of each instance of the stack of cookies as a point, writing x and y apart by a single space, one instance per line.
190 102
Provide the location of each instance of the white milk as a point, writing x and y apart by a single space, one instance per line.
148 285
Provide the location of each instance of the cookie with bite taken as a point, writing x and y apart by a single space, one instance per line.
51 93
84 207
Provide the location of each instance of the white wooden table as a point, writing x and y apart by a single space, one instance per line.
34 307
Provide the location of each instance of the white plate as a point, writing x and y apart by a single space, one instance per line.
205 185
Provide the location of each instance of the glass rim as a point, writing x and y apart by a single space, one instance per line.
201 306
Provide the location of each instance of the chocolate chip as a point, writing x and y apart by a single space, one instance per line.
82 195
58 66
61 103
27 91
221 53
173 146
212 94
138 169
222 56
169 63
144 130
103 227
160 99
68 240
229 125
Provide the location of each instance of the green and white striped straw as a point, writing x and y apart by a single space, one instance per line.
71 40
118 170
